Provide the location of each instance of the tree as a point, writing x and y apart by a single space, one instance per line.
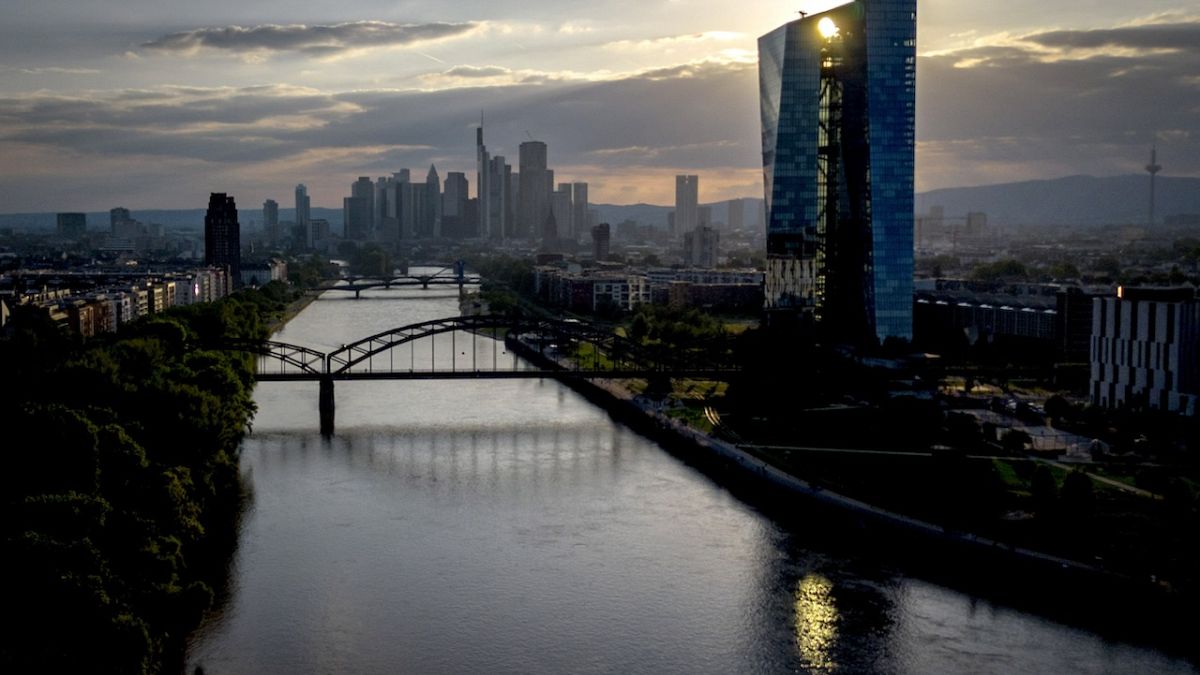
1044 489
639 328
1077 497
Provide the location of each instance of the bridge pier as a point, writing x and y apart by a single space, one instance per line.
326 405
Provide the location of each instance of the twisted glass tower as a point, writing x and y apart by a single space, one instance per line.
838 101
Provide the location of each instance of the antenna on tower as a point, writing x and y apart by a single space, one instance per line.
803 14
1153 168
529 134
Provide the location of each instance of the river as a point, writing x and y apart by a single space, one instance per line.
510 526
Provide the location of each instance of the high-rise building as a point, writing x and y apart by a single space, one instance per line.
563 211
600 241
687 194
735 215
433 203
356 218
302 207
122 225
535 187
1145 350
364 189
72 225
579 204
454 207
223 237
838 98
700 245
271 220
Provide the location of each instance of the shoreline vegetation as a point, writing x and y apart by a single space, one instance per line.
123 494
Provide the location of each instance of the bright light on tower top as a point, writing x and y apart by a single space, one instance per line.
827 28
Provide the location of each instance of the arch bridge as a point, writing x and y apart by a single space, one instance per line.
559 349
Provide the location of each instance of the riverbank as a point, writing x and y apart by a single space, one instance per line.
1056 586
296 306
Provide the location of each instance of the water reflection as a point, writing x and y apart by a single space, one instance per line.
816 622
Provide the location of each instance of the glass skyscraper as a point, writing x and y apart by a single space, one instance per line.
838 121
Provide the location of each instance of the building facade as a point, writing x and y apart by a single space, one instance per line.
687 196
222 235
1145 348
838 99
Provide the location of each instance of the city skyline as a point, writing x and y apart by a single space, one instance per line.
255 99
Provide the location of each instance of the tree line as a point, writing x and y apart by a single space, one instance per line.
121 490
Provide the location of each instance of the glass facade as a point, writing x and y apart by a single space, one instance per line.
876 52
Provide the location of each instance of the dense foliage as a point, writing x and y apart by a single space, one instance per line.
121 492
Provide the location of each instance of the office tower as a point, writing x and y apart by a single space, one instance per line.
222 237
704 216
700 246
122 225
302 207
600 241
735 216
687 193
563 211
356 218
271 221
455 222
72 225
364 189
433 203
534 189
483 167
117 217
579 203
837 95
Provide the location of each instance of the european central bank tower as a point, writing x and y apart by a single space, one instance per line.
838 99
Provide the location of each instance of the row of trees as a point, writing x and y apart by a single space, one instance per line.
121 490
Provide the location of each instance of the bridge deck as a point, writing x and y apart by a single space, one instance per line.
498 375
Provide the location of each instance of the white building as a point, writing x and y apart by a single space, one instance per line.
1145 348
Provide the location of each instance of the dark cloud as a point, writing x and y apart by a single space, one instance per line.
1179 36
314 40
1040 109
576 118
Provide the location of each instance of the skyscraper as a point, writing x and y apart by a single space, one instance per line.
563 211
838 98
454 207
223 237
735 215
433 203
72 225
535 187
579 204
687 195
364 227
271 220
302 209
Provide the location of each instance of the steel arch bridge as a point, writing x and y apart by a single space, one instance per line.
612 356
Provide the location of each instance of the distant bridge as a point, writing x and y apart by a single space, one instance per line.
559 349
450 275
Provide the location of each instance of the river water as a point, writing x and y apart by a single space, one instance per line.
510 526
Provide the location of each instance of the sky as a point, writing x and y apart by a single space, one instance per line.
156 103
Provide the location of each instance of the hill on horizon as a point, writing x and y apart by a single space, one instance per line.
1072 200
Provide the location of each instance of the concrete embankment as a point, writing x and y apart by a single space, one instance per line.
993 567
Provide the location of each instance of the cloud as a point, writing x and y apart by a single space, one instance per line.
1183 37
672 42
312 40
705 116
50 70
1057 103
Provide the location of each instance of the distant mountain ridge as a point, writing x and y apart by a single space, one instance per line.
1072 200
